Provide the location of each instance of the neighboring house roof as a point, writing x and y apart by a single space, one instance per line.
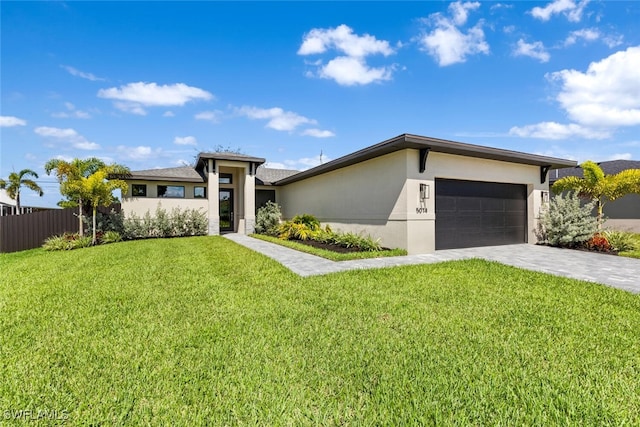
405 141
267 176
611 167
5 199
182 173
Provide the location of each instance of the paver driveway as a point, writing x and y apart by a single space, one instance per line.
619 272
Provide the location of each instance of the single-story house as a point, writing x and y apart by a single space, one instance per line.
8 206
622 213
413 192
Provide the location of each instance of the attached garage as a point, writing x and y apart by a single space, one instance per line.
475 213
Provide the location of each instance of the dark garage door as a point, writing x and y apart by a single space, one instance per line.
473 213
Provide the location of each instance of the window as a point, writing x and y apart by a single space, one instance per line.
225 178
199 192
139 190
173 191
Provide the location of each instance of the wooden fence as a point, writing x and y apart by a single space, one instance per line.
29 231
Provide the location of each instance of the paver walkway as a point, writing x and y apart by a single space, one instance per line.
619 272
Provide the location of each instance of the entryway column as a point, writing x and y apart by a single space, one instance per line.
250 198
212 195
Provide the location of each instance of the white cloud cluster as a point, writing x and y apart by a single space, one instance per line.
278 119
318 133
212 116
281 120
299 164
77 73
67 135
592 34
350 67
607 94
553 130
140 152
447 43
11 121
185 140
133 97
569 8
72 112
598 101
535 50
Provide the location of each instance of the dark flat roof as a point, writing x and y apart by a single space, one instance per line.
610 167
181 174
405 141
230 156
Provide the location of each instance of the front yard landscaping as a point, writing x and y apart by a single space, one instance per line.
201 331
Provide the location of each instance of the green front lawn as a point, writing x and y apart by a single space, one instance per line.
201 331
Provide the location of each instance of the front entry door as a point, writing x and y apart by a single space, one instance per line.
226 210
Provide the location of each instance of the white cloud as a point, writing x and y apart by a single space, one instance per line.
71 112
67 135
130 107
586 34
598 101
349 71
278 119
212 116
607 94
305 162
275 165
168 114
569 8
81 74
342 39
613 40
185 140
446 42
140 152
620 156
534 50
553 130
133 97
10 121
318 133
350 68
460 11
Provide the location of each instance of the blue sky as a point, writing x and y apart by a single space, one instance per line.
151 84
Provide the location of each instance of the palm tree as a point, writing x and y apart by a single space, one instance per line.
69 175
597 186
98 190
16 181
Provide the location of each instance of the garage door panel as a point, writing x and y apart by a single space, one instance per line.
474 213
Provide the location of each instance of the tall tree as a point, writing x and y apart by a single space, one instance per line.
597 186
98 190
16 181
70 173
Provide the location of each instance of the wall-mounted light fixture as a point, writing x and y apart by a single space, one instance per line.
545 197
424 191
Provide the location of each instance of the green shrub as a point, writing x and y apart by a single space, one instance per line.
66 242
621 241
81 242
565 222
56 243
268 218
352 240
177 223
310 221
110 237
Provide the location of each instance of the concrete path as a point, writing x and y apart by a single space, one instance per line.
618 272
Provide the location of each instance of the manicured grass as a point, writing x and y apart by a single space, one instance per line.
201 331
334 256
636 253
